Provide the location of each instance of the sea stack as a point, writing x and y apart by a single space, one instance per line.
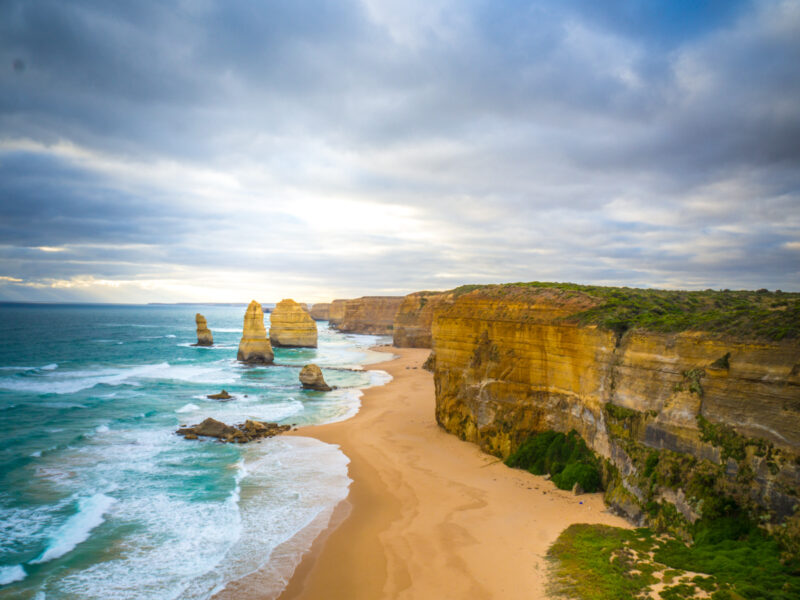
204 337
291 326
254 347
312 379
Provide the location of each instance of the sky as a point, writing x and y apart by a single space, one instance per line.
204 150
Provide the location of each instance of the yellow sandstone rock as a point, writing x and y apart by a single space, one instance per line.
414 318
291 326
312 379
321 311
254 347
204 337
372 315
336 312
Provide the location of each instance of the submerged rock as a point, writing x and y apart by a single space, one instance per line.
240 434
292 326
254 348
223 395
204 337
312 379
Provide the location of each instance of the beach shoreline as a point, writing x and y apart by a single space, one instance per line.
428 515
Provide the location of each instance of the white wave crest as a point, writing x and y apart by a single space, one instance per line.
77 528
11 574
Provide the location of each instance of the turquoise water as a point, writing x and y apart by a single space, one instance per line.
100 499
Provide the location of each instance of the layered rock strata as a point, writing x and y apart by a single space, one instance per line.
321 311
291 326
204 336
254 347
414 318
372 315
681 418
312 379
336 312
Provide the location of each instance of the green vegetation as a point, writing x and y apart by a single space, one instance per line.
565 457
598 562
742 314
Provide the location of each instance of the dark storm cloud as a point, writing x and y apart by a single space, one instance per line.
631 142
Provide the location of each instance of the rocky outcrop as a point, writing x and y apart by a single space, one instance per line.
414 318
321 311
254 347
223 395
372 315
291 326
204 336
304 306
336 312
239 434
312 379
681 418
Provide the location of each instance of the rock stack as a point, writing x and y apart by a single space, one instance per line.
311 378
254 347
291 326
204 337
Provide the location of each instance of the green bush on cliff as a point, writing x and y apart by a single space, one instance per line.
563 456
741 314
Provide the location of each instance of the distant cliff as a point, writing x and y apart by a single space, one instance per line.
414 318
688 396
336 312
321 311
369 314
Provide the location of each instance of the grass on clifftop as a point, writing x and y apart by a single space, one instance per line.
598 562
745 314
565 457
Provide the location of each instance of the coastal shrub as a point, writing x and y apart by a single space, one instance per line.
563 456
742 314
598 562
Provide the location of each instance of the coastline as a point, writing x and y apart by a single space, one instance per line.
427 515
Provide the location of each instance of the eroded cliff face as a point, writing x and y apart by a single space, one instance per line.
679 417
336 312
291 326
372 315
321 311
414 318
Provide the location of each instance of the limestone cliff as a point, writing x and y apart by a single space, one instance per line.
254 346
680 417
204 336
370 314
414 318
291 326
336 312
321 311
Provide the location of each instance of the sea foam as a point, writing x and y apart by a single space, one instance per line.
77 528
11 574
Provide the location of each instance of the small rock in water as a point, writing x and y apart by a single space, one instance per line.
240 434
223 395
311 378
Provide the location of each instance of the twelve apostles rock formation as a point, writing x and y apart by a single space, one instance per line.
254 347
369 314
321 311
721 412
204 337
291 326
312 379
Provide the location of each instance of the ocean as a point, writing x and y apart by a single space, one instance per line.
99 498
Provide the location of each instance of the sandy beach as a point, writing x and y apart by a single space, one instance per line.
428 515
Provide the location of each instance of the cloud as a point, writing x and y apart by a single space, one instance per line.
361 147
